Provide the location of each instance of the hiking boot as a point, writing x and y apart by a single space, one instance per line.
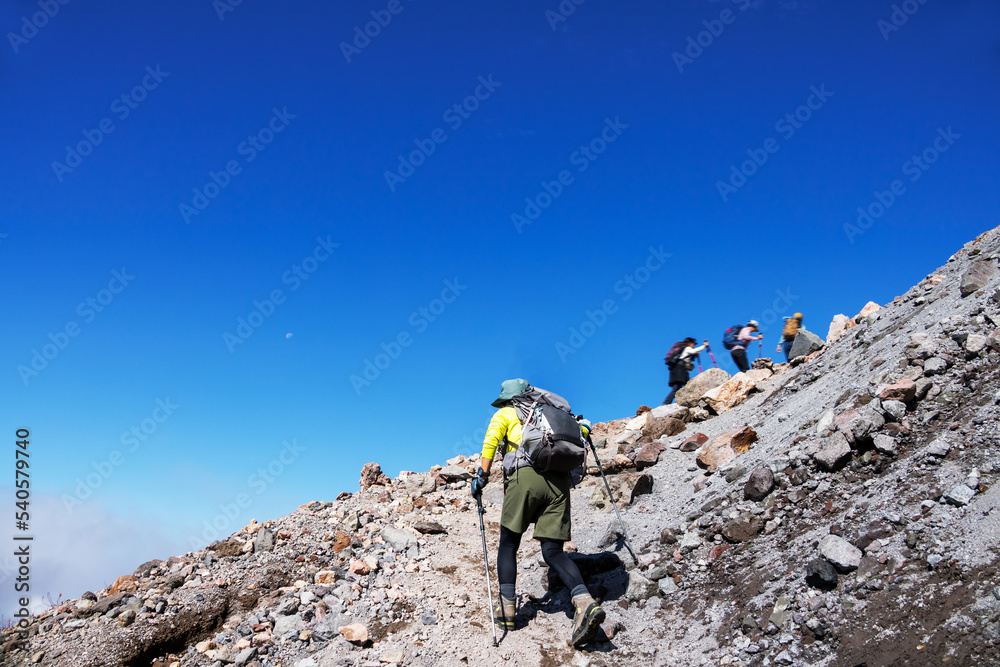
587 620
504 612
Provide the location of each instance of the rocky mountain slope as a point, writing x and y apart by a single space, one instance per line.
837 511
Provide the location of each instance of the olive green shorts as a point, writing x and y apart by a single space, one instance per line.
533 498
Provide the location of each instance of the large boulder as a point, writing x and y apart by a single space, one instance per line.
735 390
722 449
691 393
977 276
806 342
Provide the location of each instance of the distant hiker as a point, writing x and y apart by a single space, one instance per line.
534 497
743 340
680 360
789 333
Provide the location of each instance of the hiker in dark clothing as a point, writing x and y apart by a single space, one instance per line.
680 360
746 337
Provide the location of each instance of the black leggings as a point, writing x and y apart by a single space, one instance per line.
552 552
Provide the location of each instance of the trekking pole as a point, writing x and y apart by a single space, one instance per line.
628 542
760 349
486 562
713 356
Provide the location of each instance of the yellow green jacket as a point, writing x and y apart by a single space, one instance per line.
506 426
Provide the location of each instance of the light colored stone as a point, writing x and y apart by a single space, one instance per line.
840 325
637 423
842 554
734 390
939 447
885 444
975 343
455 474
639 587
356 633
691 393
832 451
326 577
667 586
399 540
285 624
960 495
870 307
896 409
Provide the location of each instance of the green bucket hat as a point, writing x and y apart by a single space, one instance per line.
509 389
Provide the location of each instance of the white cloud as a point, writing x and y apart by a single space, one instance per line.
73 553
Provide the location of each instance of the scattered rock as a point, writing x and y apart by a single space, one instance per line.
904 390
693 442
399 540
960 495
759 485
842 554
939 447
821 574
356 633
734 390
639 587
977 276
833 452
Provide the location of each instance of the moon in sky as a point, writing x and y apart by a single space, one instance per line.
288 335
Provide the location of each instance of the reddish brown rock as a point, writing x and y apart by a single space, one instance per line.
904 390
371 474
341 541
649 455
662 426
724 448
127 584
693 442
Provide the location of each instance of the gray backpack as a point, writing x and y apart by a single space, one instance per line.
551 440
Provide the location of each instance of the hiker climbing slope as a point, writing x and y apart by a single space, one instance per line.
680 360
532 496
789 333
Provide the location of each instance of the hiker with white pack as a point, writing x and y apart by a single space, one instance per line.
680 360
542 445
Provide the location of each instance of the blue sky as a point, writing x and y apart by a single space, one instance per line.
471 184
